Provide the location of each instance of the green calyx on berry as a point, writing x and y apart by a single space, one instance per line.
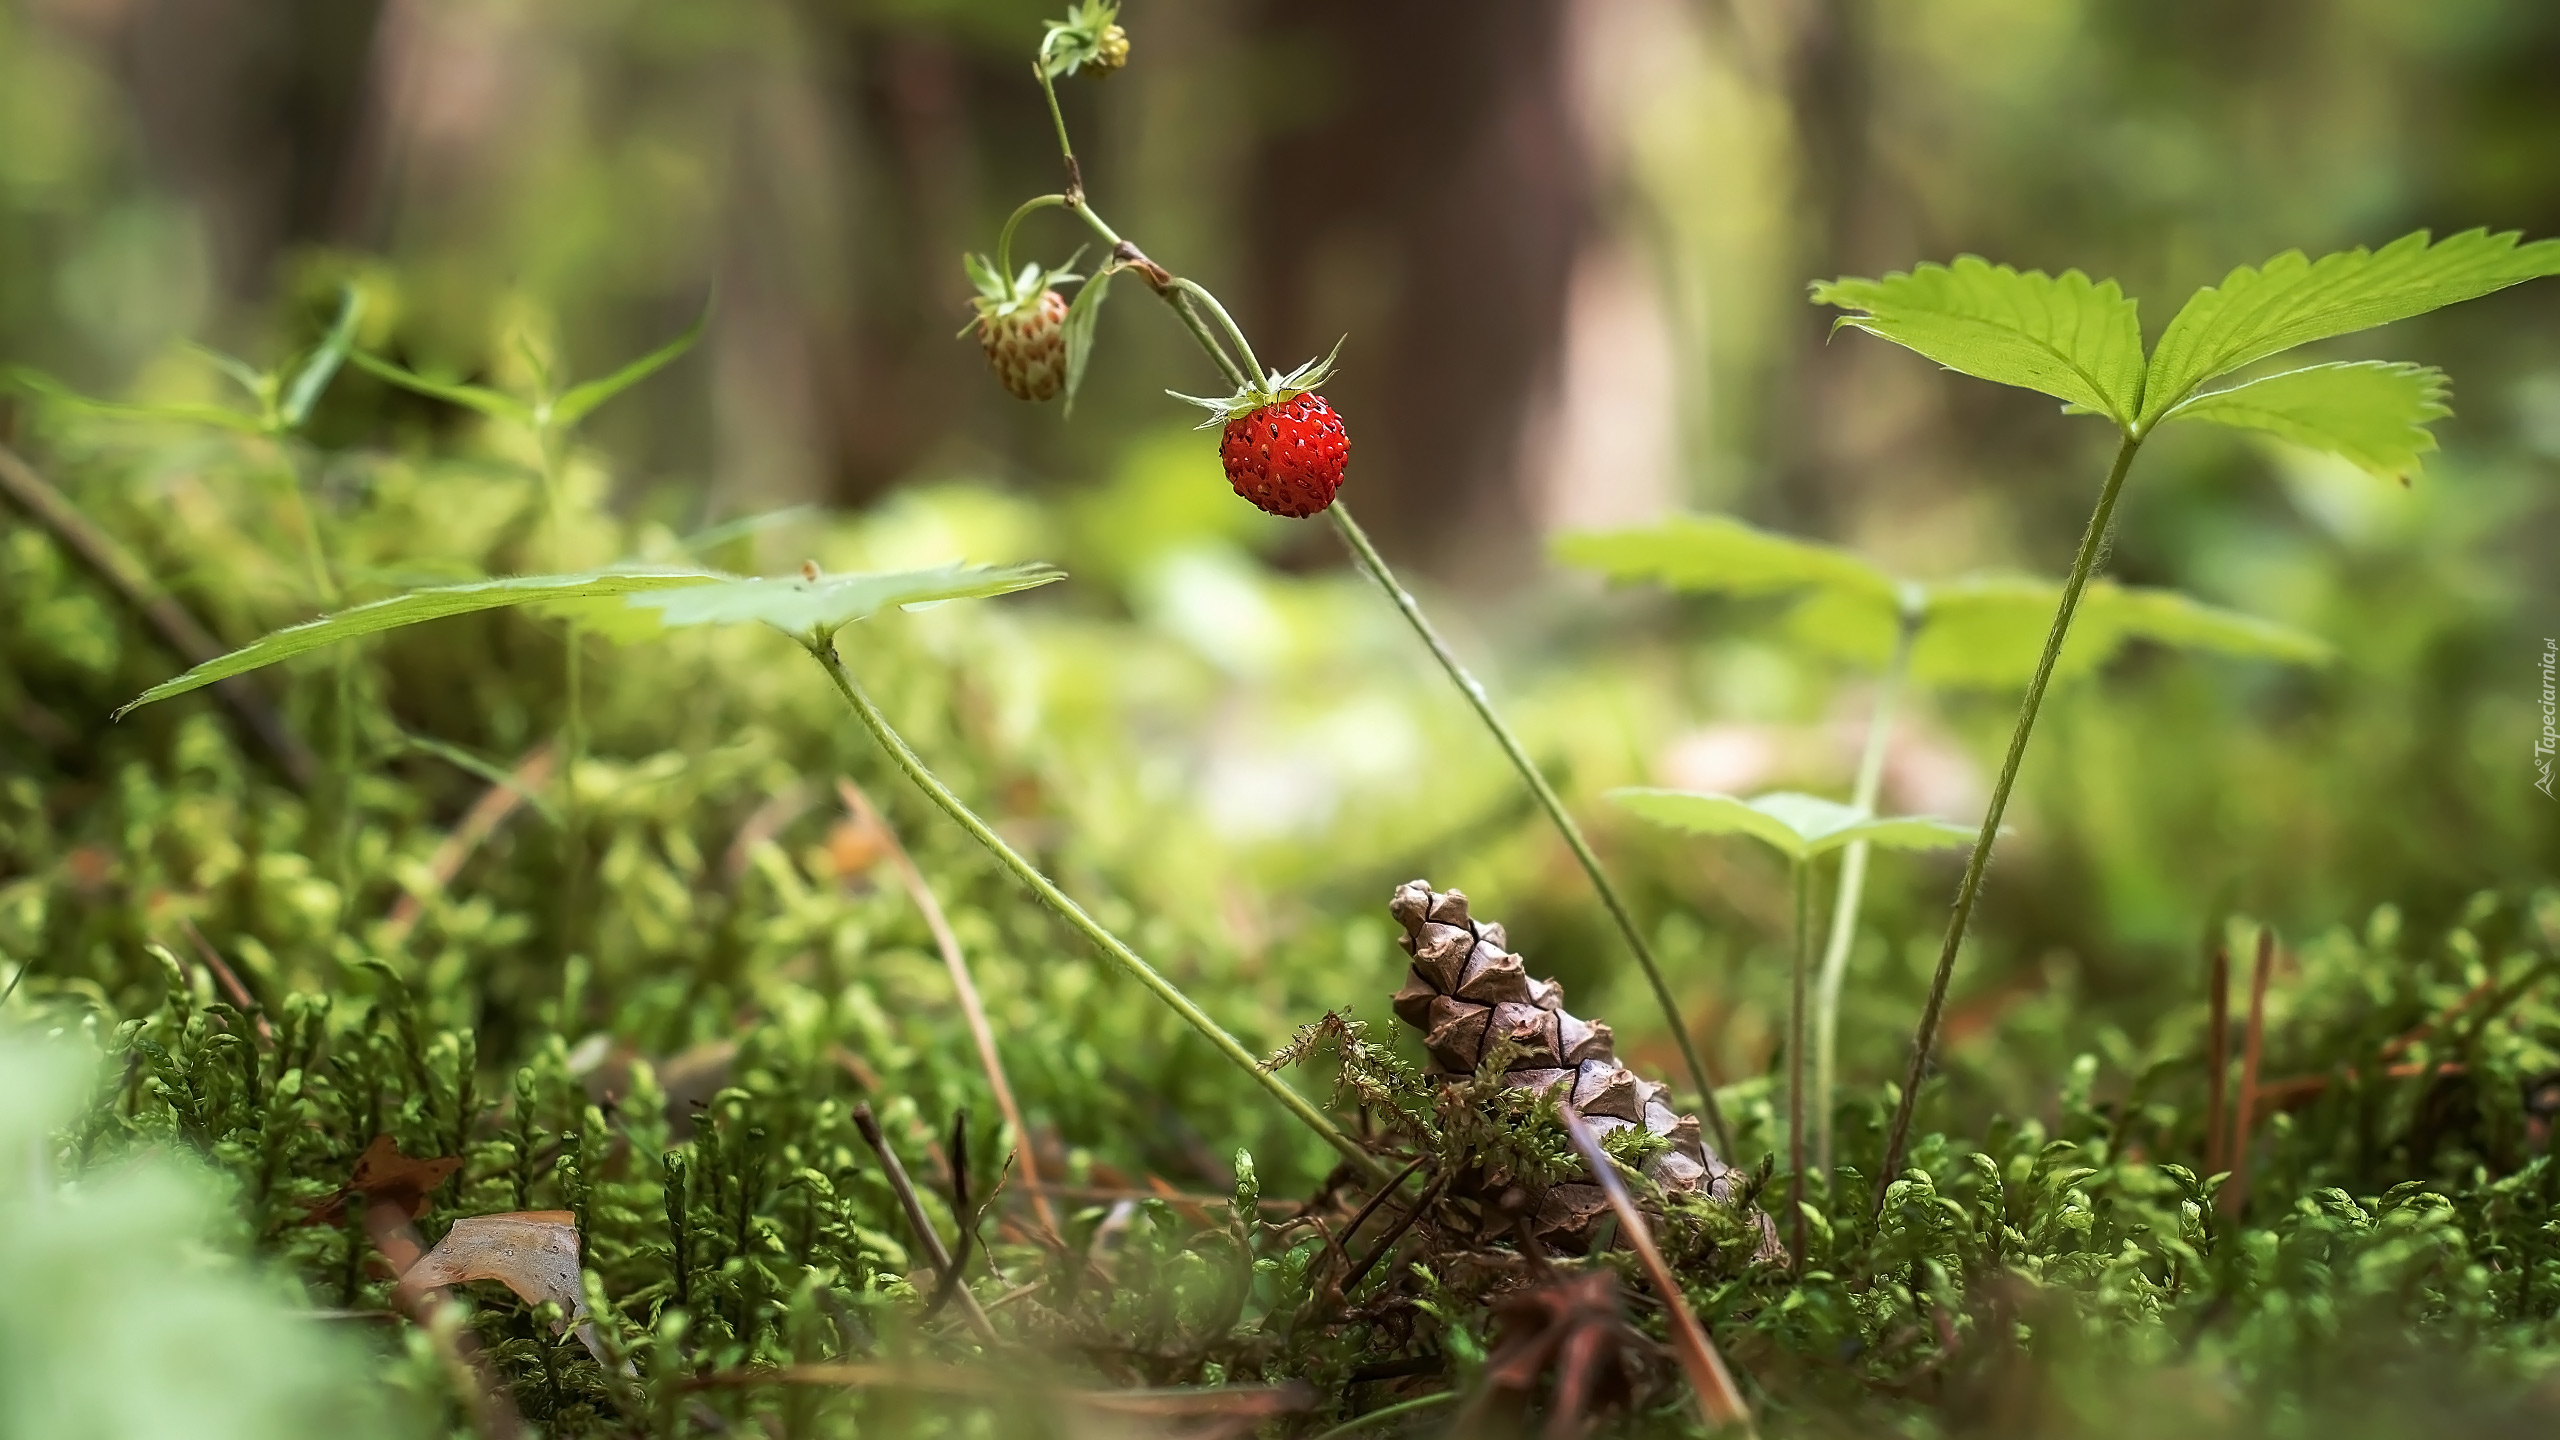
1089 36
1000 297
1272 390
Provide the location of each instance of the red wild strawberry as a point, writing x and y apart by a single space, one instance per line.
1284 448
1021 325
1287 458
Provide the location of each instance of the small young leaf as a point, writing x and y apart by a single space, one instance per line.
38 383
471 397
248 377
2067 337
1797 826
1080 317
2255 313
322 364
582 400
2165 617
1716 554
1986 631
413 608
799 606
711 537
2371 412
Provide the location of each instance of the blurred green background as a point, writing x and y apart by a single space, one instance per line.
1568 241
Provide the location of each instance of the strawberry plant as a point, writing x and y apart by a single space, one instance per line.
1286 451
2081 342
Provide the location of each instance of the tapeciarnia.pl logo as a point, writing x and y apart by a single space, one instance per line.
2550 737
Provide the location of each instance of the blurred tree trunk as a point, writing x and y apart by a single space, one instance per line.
250 109
1421 183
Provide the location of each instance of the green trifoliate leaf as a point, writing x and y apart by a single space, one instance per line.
1081 313
2371 412
2078 341
417 607
801 606
470 397
1799 827
581 400
2290 301
1719 555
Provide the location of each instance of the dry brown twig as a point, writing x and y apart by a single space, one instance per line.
922 1224
970 1006
1719 1399
2235 1192
478 823
229 980
177 627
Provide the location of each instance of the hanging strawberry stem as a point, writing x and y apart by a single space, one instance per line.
1285 450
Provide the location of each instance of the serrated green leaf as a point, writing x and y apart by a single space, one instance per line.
799 606
582 400
2290 301
417 607
44 386
2371 412
471 397
1081 313
322 365
1800 827
2078 341
1716 554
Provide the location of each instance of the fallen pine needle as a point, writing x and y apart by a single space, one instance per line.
1719 1399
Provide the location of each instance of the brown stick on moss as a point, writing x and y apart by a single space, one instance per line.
2235 1194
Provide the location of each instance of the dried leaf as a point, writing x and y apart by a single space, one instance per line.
384 1176
532 1252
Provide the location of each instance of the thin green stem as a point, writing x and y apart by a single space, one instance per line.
1376 565
1853 882
1110 945
573 730
1226 322
1004 237
1246 369
342 720
2092 543
1801 874
1058 118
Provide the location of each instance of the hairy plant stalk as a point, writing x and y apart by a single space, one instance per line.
1376 565
1853 883
824 651
1243 368
2092 543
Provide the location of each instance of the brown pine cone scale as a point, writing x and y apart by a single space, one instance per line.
1466 992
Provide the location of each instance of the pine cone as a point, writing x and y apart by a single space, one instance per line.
1466 991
